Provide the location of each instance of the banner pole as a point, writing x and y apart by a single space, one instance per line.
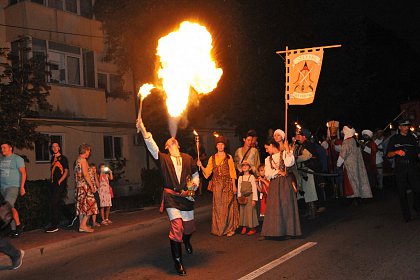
286 104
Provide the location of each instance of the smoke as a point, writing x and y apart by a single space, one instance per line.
173 125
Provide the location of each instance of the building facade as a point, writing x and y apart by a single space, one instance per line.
83 87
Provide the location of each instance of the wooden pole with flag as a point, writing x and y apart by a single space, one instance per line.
303 68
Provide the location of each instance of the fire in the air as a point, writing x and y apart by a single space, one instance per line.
186 62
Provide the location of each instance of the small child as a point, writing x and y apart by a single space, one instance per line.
105 193
262 186
94 178
247 188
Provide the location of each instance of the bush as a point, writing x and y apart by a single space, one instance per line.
34 206
151 185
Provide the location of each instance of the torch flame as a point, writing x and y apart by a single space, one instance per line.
185 63
195 133
145 90
215 134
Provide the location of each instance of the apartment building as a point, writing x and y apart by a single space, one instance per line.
82 86
82 89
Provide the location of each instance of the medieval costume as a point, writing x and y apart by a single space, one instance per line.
307 164
225 213
180 176
333 151
356 183
281 215
369 150
250 155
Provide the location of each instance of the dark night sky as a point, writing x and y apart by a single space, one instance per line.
361 83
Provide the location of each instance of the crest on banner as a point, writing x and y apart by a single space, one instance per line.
303 68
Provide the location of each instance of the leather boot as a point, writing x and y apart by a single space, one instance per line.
177 257
186 238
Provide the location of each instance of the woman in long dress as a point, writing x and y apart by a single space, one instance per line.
85 203
225 214
281 214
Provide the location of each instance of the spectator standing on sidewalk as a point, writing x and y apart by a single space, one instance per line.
15 255
105 174
405 149
12 182
58 187
85 202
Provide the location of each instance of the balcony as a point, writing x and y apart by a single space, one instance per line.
76 102
39 18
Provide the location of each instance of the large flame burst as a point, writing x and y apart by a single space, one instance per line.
185 63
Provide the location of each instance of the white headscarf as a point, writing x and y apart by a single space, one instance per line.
367 132
348 132
281 132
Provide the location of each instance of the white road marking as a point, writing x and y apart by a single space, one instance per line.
278 261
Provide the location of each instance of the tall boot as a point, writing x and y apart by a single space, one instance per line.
177 257
186 238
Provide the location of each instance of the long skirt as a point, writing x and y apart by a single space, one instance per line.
225 214
248 214
281 215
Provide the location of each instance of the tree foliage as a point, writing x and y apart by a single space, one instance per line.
23 94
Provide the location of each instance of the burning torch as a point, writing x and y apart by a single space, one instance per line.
144 91
197 144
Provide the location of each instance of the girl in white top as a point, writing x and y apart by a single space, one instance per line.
247 187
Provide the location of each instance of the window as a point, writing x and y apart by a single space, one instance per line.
71 6
64 63
89 68
103 81
56 4
86 8
42 147
113 147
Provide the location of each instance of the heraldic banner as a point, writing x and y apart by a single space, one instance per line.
303 68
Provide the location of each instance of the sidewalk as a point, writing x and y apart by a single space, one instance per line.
37 242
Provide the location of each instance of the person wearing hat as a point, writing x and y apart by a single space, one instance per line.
177 169
404 148
225 212
307 161
247 197
369 150
356 182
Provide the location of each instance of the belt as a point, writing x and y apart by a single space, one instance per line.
172 192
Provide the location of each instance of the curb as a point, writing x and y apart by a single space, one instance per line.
87 238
